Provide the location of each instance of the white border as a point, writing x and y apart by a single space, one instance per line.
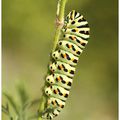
0 59
118 58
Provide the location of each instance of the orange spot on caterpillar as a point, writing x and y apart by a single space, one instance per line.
54 103
55 91
70 46
58 78
61 67
64 55
76 30
73 38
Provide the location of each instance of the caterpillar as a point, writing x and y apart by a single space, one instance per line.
69 48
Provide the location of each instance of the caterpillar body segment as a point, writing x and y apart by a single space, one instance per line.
80 42
55 103
60 80
75 24
62 68
50 114
70 47
66 57
57 92
80 32
72 16
47 115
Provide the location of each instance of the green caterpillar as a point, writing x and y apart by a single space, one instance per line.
69 48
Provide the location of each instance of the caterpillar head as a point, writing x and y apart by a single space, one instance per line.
50 79
52 67
48 91
56 54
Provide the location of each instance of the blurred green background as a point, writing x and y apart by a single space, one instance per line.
27 36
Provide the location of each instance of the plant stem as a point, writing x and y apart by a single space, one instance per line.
42 105
59 24
59 21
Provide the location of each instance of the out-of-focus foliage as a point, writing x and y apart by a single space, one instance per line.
19 110
27 36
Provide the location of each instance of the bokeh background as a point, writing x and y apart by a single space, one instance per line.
27 37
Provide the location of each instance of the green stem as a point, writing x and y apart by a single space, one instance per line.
60 20
42 106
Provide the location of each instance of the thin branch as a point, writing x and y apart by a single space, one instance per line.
42 106
59 24
59 21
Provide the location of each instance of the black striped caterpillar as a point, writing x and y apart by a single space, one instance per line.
69 48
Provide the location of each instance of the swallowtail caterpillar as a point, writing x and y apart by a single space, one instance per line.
69 48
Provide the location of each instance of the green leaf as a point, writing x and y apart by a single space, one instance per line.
6 111
12 102
23 94
30 104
